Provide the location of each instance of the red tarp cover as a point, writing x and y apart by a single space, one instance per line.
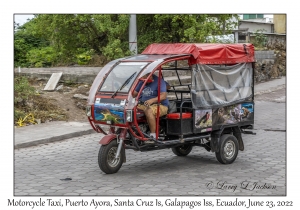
207 53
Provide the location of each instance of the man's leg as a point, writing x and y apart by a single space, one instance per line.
151 113
151 119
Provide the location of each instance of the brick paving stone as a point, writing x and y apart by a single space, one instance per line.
46 191
67 194
72 189
90 188
81 191
38 188
57 188
32 190
24 188
171 189
153 189
37 194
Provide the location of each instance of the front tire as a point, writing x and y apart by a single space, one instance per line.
106 158
183 150
229 148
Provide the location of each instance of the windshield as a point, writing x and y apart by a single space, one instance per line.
118 76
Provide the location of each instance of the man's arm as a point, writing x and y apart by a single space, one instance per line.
134 94
163 96
137 89
168 86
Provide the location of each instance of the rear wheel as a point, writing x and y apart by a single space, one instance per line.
229 147
182 150
106 158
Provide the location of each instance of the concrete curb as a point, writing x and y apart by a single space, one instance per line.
53 139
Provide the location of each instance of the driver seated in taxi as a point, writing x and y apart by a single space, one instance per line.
149 98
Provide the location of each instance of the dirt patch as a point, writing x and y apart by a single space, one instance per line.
63 98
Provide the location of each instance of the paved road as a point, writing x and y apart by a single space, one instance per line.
259 170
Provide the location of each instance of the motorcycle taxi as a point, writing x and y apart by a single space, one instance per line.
211 101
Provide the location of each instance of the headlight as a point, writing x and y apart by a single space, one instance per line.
88 111
128 116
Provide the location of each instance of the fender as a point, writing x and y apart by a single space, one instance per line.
215 137
107 139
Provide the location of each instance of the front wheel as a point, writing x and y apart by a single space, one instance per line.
106 158
229 147
182 150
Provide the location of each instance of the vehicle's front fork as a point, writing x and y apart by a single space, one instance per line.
120 140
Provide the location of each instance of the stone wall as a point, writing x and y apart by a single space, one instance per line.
264 64
84 75
271 63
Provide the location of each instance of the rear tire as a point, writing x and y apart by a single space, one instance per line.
183 150
229 148
106 158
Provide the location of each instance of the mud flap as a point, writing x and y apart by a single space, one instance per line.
238 135
215 139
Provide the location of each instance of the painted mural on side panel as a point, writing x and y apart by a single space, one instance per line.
233 114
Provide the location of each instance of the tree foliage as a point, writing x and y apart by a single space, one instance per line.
182 28
260 38
25 39
70 33
57 39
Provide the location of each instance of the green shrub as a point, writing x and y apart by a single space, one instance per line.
85 56
42 57
22 89
18 114
114 50
260 38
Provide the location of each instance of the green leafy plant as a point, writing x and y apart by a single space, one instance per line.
42 57
85 57
260 38
18 114
114 50
22 89
22 92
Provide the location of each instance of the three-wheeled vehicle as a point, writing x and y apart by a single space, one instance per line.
211 101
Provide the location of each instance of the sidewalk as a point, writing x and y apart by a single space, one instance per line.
56 131
49 132
266 87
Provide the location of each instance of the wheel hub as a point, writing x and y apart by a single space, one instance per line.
111 157
184 148
229 149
